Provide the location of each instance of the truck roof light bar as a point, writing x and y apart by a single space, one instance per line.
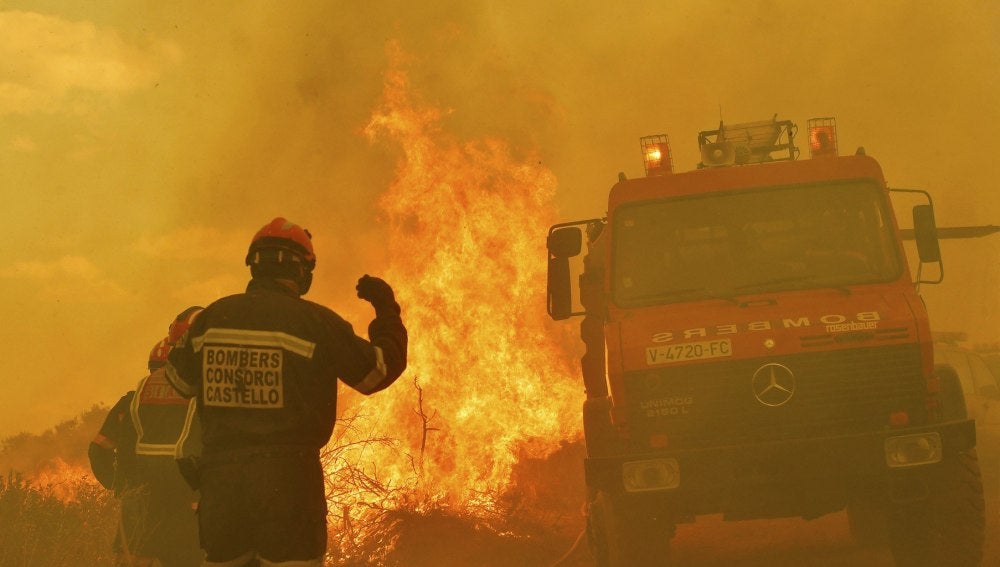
656 154
748 142
822 137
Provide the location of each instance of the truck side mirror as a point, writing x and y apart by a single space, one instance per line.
563 243
560 292
925 233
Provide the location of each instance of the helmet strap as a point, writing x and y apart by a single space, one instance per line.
305 282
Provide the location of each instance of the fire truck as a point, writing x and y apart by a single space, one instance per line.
756 347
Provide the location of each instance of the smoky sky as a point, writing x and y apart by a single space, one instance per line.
142 143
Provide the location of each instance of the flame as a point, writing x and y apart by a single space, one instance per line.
62 480
486 383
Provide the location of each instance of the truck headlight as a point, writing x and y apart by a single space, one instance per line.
654 474
913 450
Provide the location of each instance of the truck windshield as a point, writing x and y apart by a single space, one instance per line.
829 235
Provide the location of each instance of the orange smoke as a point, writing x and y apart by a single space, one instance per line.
487 383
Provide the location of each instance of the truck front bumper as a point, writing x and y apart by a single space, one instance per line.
788 477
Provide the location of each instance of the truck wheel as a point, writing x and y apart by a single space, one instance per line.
624 536
946 527
953 406
867 522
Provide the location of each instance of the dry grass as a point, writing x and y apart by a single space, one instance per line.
41 529
71 520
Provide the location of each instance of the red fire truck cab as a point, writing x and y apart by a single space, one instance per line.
756 347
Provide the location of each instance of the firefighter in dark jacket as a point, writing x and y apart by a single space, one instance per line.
112 452
134 454
264 367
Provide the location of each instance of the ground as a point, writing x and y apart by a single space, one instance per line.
710 542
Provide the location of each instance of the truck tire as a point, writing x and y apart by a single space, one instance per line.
600 435
867 522
621 535
946 527
952 399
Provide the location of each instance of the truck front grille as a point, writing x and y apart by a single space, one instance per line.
835 393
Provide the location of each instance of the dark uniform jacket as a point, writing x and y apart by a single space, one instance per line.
142 436
264 367
163 419
112 452
134 453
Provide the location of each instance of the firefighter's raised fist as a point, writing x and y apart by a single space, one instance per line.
375 291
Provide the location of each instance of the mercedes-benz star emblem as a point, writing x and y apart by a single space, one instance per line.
773 384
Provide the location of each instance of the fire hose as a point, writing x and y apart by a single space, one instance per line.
571 550
576 544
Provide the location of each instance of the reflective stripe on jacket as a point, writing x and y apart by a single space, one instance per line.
162 417
264 366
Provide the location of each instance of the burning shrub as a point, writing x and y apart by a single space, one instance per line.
494 393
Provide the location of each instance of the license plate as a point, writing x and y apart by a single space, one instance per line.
665 354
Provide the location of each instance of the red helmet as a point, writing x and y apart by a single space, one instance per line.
180 324
283 250
280 236
158 356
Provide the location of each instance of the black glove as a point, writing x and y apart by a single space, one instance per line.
378 293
